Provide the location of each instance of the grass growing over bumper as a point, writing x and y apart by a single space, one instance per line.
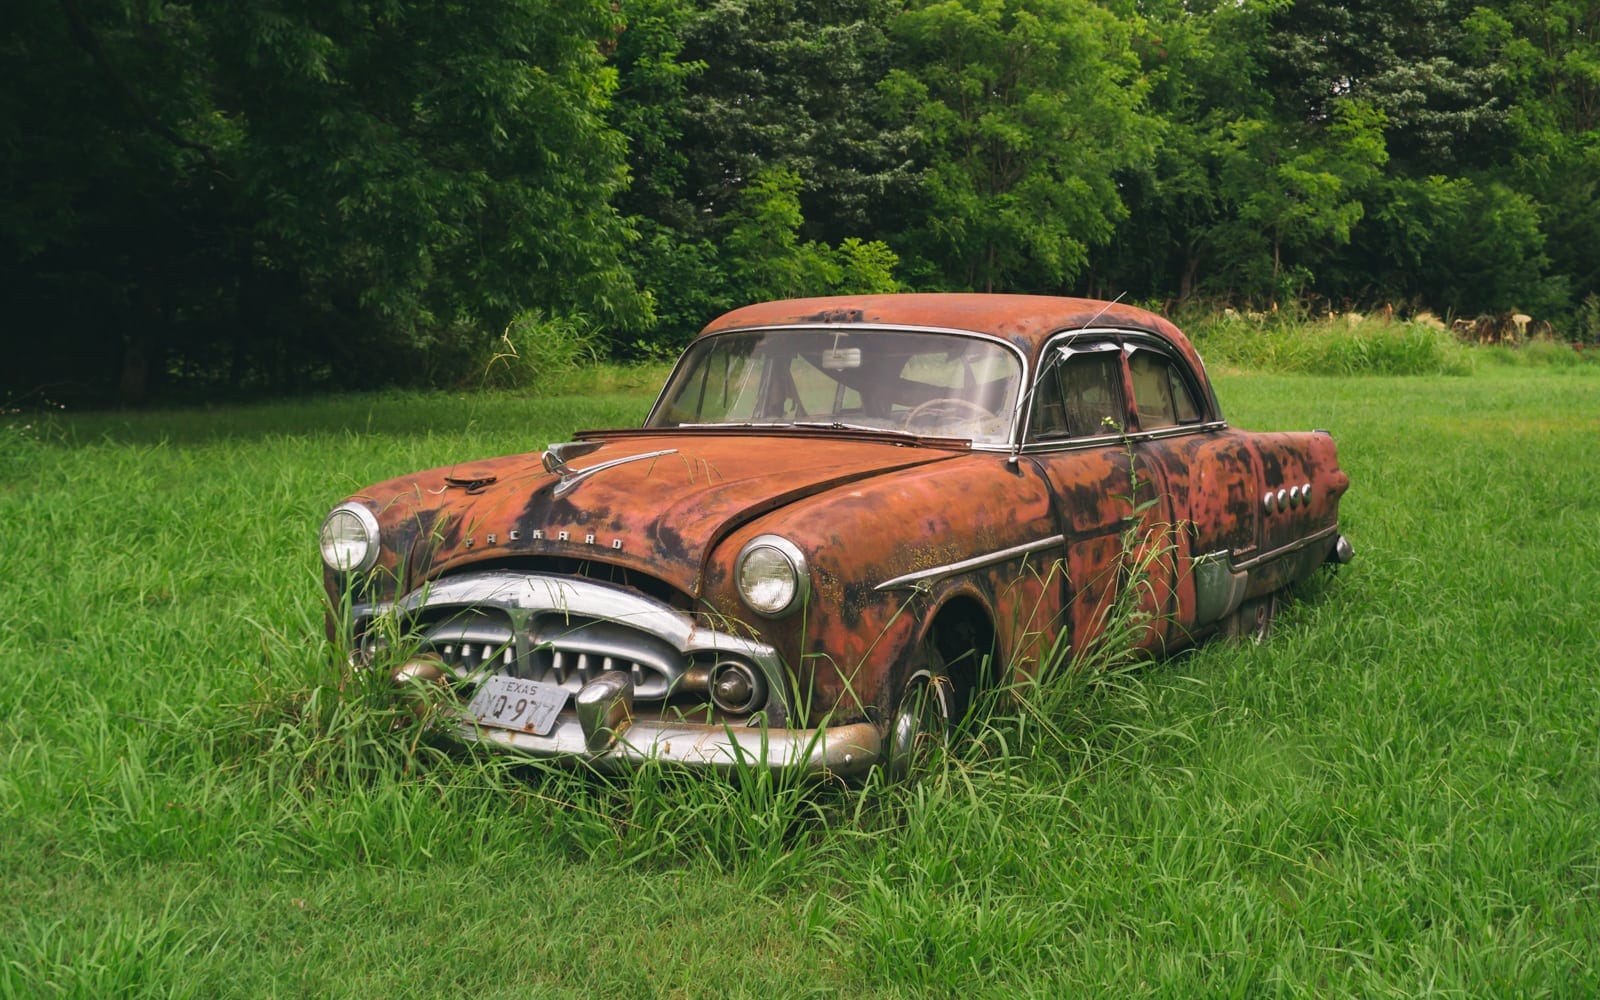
1399 793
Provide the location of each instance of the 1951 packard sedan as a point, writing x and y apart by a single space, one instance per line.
841 518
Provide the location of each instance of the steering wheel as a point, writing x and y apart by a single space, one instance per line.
945 409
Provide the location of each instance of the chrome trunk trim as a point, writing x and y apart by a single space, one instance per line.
1283 550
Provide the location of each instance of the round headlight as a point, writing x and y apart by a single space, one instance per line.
771 573
350 539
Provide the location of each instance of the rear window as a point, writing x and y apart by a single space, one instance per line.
1161 395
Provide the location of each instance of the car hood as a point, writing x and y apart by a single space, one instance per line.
652 502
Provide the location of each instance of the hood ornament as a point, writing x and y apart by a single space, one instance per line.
555 461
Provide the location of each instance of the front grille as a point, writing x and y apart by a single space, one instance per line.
565 630
567 648
473 650
555 648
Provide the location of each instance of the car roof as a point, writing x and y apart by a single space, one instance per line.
1027 321
1024 320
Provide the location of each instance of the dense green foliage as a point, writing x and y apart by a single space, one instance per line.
288 194
297 192
1394 795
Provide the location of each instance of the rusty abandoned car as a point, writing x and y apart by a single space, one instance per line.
841 517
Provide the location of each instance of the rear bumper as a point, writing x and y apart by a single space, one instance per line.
1342 551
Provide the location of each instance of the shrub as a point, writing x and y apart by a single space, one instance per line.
1377 348
535 346
1542 353
1586 325
1349 345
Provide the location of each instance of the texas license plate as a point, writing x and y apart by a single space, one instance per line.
514 703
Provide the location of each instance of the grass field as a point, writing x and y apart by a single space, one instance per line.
1398 794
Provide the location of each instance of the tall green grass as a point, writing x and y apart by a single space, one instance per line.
1552 354
1397 794
1334 347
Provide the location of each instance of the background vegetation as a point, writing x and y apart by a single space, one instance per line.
208 201
1396 794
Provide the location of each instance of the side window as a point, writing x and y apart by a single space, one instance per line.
1049 419
1080 396
1160 393
1092 384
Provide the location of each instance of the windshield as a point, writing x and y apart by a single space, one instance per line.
917 383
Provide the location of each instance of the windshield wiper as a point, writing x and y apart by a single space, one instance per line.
833 425
840 425
827 425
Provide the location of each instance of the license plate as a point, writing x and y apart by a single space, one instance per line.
513 703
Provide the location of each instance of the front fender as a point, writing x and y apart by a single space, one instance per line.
885 555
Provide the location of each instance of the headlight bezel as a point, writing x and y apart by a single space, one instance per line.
367 522
798 575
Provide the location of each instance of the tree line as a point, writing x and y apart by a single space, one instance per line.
282 195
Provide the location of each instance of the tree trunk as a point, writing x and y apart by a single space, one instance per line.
1191 270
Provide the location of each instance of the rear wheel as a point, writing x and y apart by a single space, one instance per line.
1253 620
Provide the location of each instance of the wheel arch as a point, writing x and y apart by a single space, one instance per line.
961 629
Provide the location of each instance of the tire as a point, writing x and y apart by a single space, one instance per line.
1253 621
924 715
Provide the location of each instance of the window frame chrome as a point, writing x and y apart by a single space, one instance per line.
1124 340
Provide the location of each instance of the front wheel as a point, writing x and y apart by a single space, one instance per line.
923 719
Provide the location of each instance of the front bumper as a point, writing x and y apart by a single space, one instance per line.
842 751
602 733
